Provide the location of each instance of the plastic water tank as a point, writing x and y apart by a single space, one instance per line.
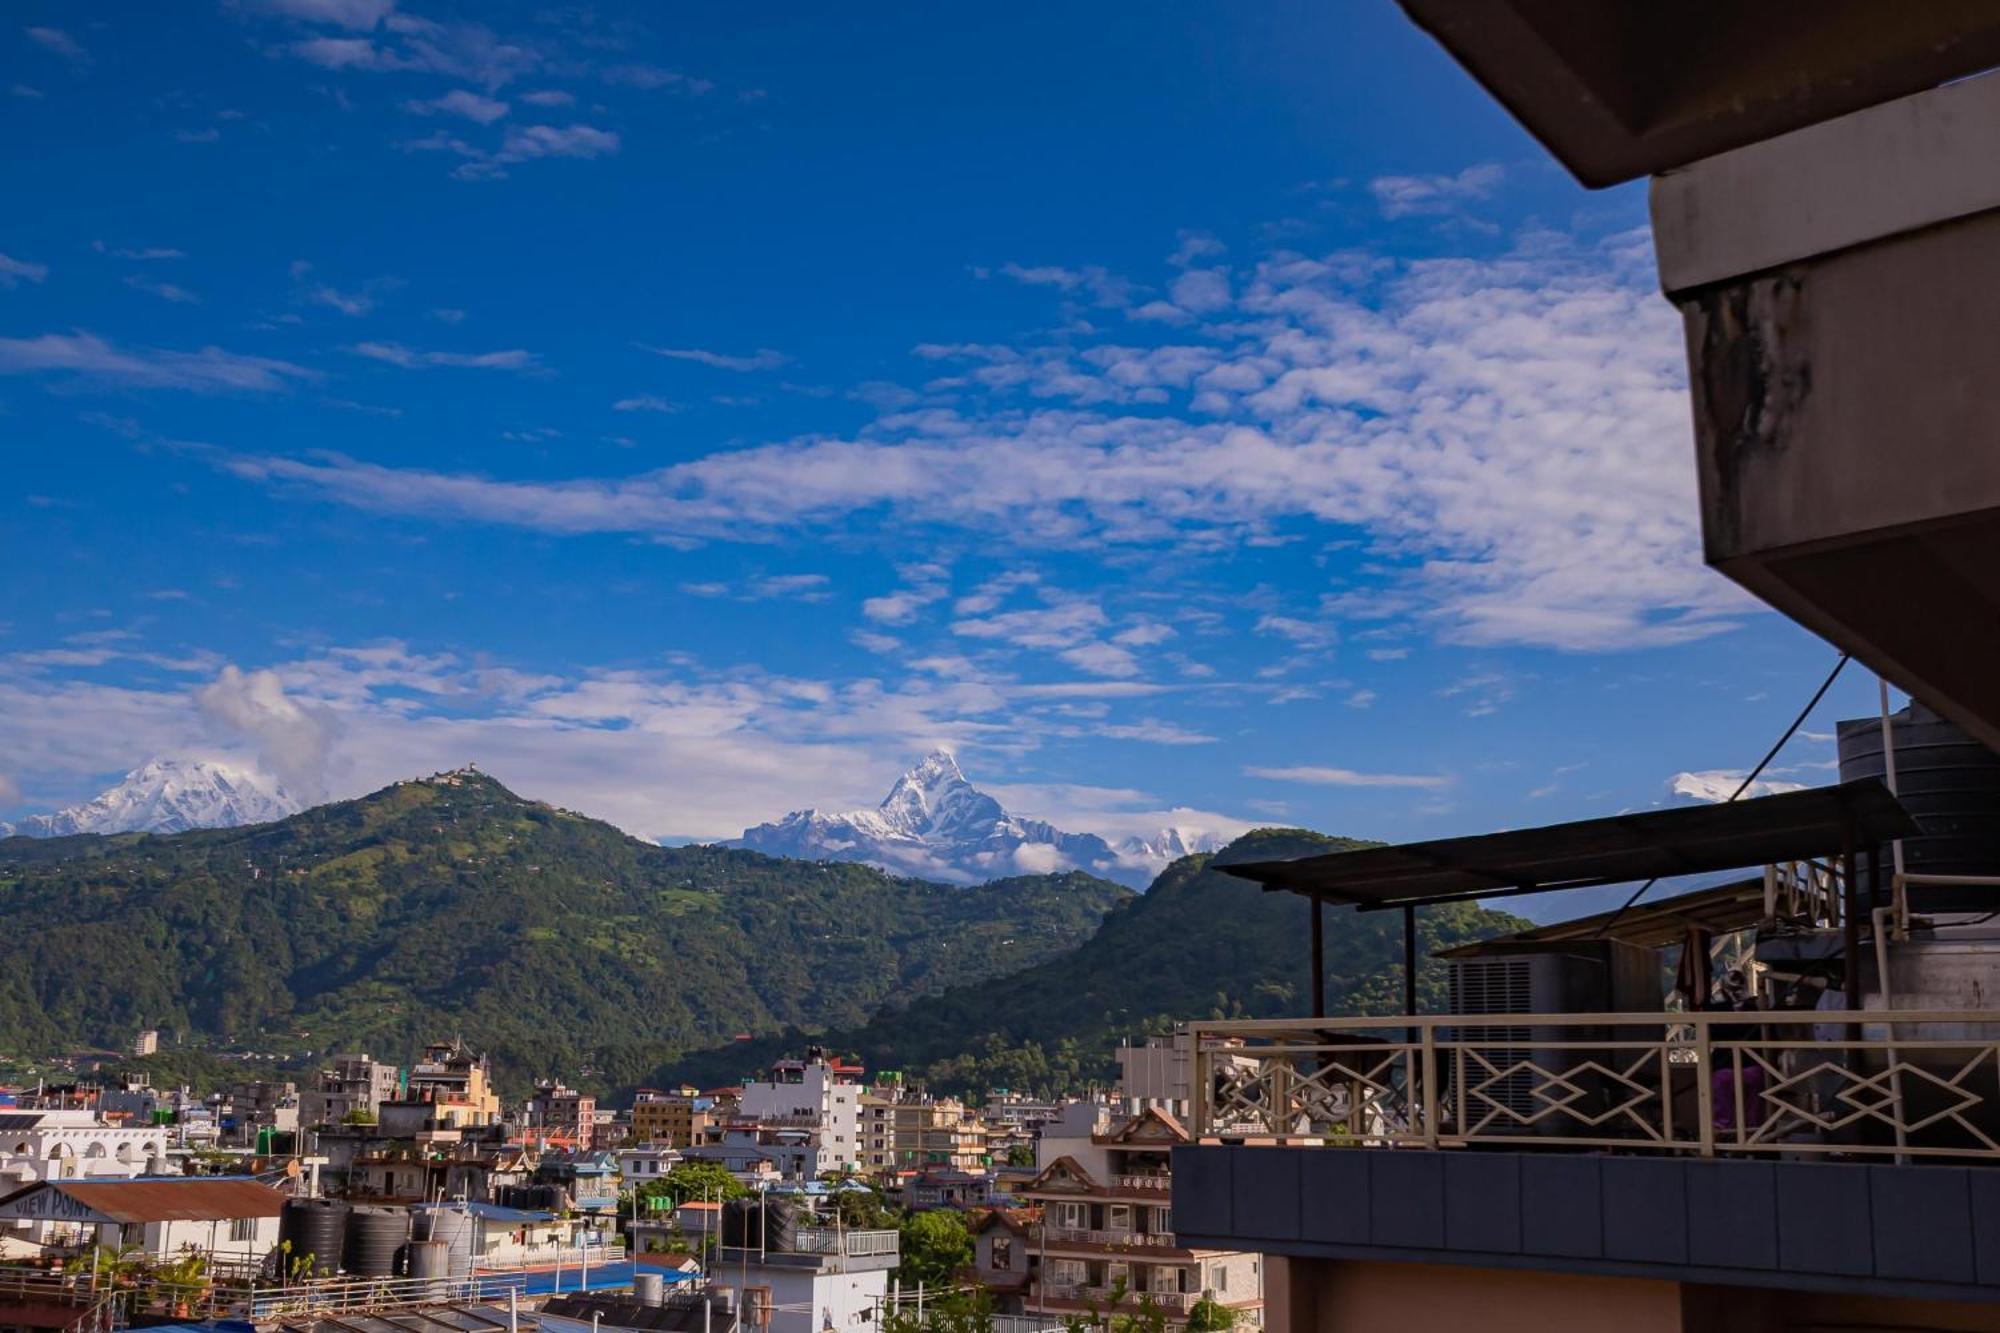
1950 784
649 1288
373 1237
315 1230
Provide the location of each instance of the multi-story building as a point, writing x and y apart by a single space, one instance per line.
902 1130
817 1095
457 1083
263 1104
561 1115
1106 1240
353 1085
146 1043
677 1116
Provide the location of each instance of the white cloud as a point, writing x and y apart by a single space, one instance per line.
291 738
548 97
1410 196
58 41
1713 786
459 102
1101 659
359 15
762 359
1507 436
1346 777
411 358
85 356
1305 633
13 272
531 141
1361 699
645 402
166 291
407 43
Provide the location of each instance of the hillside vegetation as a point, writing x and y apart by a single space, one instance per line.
1198 944
452 906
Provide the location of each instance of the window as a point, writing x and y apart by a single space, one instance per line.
1221 1277
1003 1252
243 1229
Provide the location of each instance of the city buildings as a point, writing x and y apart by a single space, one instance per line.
562 1116
457 1084
816 1095
678 1116
1106 1239
351 1087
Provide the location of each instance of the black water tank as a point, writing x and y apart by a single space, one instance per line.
373 1237
1950 784
315 1230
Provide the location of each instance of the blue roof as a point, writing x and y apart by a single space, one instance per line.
488 1212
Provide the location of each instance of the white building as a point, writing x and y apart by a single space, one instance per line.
829 1279
232 1220
75 1145
646 1162
1107 1223
813 1094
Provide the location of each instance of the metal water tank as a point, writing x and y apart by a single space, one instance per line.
453 1226
1950 784
373 1237
314 1230
649 1288
430 1262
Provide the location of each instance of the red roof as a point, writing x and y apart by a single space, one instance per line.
193 1199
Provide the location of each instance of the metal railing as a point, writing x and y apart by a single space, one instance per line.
1178 1301
1712 1084
854 1244
115 1299
1085 1236
1160 1181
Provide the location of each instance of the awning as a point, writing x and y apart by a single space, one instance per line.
1654 844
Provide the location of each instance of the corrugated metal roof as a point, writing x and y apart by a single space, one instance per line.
192 1199
1656 844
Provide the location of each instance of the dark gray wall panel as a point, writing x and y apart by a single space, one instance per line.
1482 1202
1645 1209
1562 1211
1923 1223
1824 1218
1732 1214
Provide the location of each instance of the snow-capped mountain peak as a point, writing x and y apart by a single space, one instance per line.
935 824
169 796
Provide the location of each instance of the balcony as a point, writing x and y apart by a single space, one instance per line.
1126 1239
851 1244
1161 1181
1173 1302
1926 1085
1835 1151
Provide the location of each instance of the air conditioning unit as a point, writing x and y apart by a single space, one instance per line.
1545 1078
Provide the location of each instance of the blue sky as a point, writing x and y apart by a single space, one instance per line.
1217 414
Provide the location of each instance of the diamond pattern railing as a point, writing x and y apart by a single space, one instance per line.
1926 1085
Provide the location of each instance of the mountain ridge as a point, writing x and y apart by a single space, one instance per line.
450 904
1198 944
936 823
168 796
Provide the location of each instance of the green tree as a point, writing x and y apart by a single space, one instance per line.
1021 1154
690 1182
863 1208
951 1312
935 1246
1210 1316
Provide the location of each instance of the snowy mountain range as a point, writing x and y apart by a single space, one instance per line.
935 824
168 796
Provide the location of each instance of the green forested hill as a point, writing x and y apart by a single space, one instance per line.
1198 944
451 906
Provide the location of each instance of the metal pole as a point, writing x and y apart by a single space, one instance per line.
1409 958
1851 915
1318 956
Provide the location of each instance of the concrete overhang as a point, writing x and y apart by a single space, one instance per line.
1618 89
1836 285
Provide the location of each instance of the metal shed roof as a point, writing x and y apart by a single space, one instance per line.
192 1199
1718 909
1655 844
